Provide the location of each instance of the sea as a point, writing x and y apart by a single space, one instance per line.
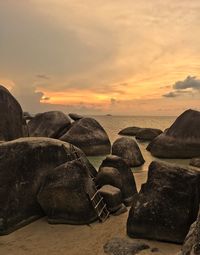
113 124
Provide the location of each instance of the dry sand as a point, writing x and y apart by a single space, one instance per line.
45 239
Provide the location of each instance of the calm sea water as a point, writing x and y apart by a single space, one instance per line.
113 124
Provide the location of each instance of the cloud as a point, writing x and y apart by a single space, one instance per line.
191 82
171 94
42 76
189 86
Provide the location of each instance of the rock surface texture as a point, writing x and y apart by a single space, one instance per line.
64 195
167 204
129 150
88 135
49 124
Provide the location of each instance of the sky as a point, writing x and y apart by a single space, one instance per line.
122 57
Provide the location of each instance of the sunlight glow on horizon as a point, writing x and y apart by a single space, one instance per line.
102 56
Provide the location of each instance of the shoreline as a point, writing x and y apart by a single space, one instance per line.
40 237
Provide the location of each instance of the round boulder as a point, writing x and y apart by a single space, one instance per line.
128 150
129 131
148 134
64 194
181 140
88 135
49 124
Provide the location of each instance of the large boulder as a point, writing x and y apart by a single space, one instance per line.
49 124
181 140
88 135
128 149
148 134
195 162
23 165
129 131
64 195
191 244
11 116
167 204
125 181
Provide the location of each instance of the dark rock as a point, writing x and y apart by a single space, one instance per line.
75 116
195 162
126 177
88 135
49 124
23 165
129 131
118 246
191 244
64 194
148 134
128 149
110 176
112 197
181 140
166 205
11 116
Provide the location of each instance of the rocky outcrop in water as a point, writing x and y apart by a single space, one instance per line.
24 164
148 134
75 116
129 131
115 171
11 116
49 124
64 195
181 140
88 135
167 204
128 149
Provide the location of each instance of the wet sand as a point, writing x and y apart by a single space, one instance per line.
45 239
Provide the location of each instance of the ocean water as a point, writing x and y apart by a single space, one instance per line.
113 124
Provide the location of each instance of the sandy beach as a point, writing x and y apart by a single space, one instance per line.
43 238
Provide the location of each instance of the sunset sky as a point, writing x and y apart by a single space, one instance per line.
125 57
